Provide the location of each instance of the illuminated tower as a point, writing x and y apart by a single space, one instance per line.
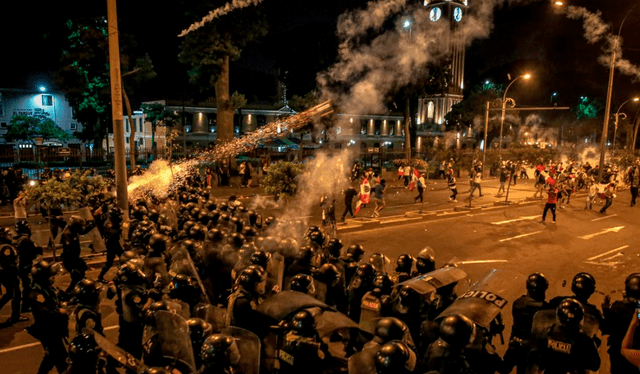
432 109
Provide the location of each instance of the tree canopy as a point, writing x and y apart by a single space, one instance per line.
24 127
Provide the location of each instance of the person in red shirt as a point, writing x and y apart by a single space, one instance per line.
552 200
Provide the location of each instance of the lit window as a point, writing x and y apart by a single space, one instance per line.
430 109
47 100
73 126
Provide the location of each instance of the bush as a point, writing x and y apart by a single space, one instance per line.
282 178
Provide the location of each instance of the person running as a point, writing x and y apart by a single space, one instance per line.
593 192
378 198
453 188
441 173
609 195
349 194
552 200
421 183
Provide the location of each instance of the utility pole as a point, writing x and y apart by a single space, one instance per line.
116 109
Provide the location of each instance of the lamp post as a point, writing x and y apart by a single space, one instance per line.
617 115
504 104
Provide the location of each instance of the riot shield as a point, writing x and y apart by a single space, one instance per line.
175 341
182 263
321 290
363 362
283 304
370 312
212 314
546 318
248 345
94 235
328 321
430 282
275 274
120 355
487 297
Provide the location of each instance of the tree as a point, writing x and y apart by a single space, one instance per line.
474 105
23 127
158 115
72 192
209 49
282 178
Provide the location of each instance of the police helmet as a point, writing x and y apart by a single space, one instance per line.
76 223
365 272
317 237
219 350
128 255
404 263
408 297
383 284
426 261
305 254
130 274
223 206
260 258
632 286
395 357
304 324
250 277
214 235
537 284
87 292
197 232
210 205
214 215
158 243
5 234
334 246
249 232
570 313
150 311
199 331
457 330
388 329
154 215
188 225
303 283
328 273
139 212
44 271
238 224
379 262
83 348
583 286
236 240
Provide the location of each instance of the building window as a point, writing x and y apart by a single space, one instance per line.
187 128
261 120
3 124
141 124
73 126
47 100
377 126
126 124
126 141
430 109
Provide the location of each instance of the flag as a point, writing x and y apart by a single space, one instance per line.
365 191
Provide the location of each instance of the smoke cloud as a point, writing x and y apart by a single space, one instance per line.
227 8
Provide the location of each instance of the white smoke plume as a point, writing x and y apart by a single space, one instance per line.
374 63
595 30
227 8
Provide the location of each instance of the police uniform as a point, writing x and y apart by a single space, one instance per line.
28 251
301 354
71 259
112 232
524 308
242 311
9 278
131 300
50 327
561 350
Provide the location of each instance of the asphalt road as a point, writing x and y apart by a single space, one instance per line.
511 238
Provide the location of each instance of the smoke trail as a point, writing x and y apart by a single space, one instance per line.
227 8
595 30
373 63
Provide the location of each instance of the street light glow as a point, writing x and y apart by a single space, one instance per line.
406 24
42 88
527 76
636 98
559 3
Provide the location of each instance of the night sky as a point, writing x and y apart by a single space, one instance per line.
528 36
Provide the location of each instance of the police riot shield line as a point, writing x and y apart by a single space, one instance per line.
544 319
212 314
175 341
431 281
487 297
248 344
94 235
120 355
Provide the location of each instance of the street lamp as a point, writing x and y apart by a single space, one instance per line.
617 115
504 104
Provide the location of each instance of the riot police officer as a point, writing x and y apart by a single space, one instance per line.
249 286
395 358
524 308
28 251
361 283
303 283
387 329
51 324
446 355
407 308
404 263
618 317
199 331
354 254
112 233
377 302
425 262
583 286
71 259
9 278
83 355
303 349
562 347
87 312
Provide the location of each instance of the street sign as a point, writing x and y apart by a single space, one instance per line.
64 151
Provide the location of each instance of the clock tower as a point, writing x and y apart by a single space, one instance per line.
432 109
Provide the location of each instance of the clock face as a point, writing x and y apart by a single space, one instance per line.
457 14
435 14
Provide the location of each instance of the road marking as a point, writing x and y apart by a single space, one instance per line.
604 263
598 219
520 236
25 346
480 262
515 220
612 229
608 252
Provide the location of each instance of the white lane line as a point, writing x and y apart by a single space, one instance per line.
598 219
615 263
520 236
515 220
611 229
25 346
480 262
608 252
